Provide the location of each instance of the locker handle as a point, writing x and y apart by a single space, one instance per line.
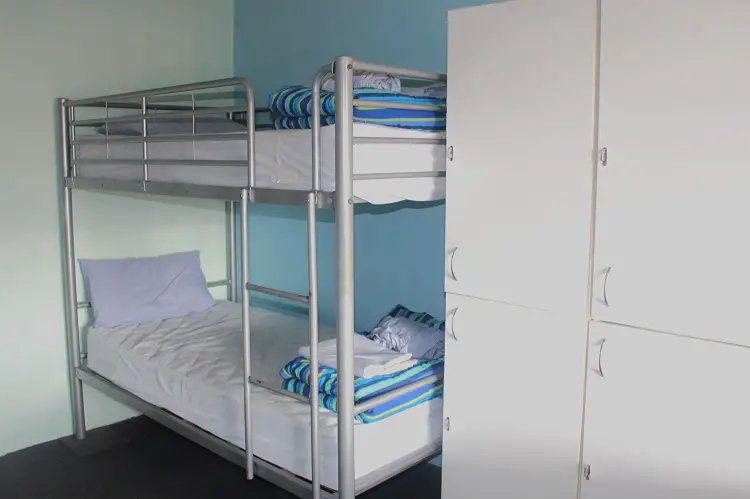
453 256
606 278
601 349
452 331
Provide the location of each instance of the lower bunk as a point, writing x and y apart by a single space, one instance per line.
192 368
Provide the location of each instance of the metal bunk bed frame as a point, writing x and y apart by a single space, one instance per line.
342 201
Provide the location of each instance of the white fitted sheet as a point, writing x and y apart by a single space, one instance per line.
284 160
193 368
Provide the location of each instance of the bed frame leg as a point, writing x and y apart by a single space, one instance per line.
246 352
71 300
344 70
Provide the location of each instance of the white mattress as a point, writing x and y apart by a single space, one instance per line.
284 160
193 368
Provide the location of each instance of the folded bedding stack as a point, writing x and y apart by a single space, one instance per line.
291 105
404 348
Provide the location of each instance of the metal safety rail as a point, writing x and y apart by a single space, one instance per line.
152 107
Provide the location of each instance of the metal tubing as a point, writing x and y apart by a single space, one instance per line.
165 162
198 137
286 197
246 353
397 105
276 389
312 268
144 124
71 305
163 107
317 84
380 176
189 87
278 293
343 69
397 140
250 101
135 106
366 406
217 284
232 243
397 71
199 111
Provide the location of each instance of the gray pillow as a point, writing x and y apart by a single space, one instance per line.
407 336
136 290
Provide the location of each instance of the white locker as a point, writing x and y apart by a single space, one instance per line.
513 401
666 417
520 136
672 246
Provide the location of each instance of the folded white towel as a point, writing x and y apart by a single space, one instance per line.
370 359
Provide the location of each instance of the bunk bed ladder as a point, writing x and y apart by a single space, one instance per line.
311 300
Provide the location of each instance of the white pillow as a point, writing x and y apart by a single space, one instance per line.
138 290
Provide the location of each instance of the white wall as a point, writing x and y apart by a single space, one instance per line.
76 48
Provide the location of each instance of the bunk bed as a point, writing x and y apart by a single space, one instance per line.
338 160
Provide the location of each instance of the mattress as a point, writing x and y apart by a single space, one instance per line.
192 367
284 161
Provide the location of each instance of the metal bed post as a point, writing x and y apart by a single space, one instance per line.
245 259
344 204
144 124
314 395
246 352
232 249
312 238
71 300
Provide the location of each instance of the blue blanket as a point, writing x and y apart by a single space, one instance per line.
295 102
296 376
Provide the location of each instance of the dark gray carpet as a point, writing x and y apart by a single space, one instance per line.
139 459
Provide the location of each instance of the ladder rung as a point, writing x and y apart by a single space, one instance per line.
279 293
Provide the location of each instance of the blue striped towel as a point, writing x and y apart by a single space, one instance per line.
296 376
295 101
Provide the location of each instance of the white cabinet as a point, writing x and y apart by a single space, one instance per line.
666 417
520 125
674 197
513 401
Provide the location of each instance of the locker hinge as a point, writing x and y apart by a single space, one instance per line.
450 153
587 472
447 424
603 156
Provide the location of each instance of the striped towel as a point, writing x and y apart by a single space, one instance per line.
295 101
296 376
299 123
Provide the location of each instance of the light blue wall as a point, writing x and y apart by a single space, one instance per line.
398 250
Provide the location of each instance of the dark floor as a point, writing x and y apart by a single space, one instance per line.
138 459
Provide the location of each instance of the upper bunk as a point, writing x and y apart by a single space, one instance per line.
380 129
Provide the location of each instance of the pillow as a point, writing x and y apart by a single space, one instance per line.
405 335
420 317
135 290
175 126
